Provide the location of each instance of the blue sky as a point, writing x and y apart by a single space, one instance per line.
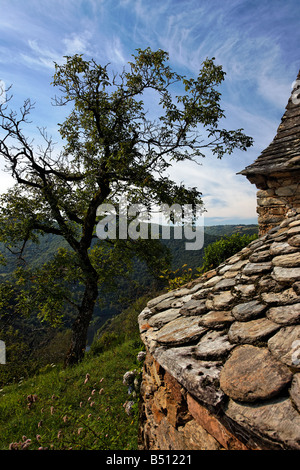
256 42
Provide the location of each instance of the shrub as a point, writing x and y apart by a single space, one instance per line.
216 253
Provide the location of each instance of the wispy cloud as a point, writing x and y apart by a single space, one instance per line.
77 43
225 194
256 42
39 56
114 50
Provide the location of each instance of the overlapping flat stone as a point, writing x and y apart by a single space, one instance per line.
183 330
248 310
197 376
235 333
194 307
285 315
162 318
276 420
285 345
251 331
217 319
252 374
213 345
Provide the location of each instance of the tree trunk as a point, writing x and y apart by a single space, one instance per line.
81 324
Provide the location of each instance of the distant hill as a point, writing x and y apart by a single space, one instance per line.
37 254
142 282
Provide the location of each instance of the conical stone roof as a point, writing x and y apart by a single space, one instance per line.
283 153
232 337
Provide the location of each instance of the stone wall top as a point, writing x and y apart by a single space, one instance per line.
232 337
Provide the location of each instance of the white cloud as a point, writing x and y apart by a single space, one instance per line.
114 51
225 194
77 43
40 56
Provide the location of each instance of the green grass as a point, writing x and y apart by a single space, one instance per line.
59 409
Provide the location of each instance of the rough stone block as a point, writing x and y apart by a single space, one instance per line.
213 426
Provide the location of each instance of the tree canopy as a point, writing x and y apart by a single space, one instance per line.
112 146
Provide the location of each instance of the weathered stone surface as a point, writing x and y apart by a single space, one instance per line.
248 310
196 288
257 244
294 223
285 297
296 287
287 260
234 259
286 190
230 274
286 274
216 319
281 249
168 436
245 290
196 436
202 293
285 315
193 307
180 301
256 268
224 284
269 201
213 345
159 299
285 345
294 241
181 292
252 331
252 374
238 265
149 339
223 269
277 420
160 319
163 305
212 281
294 230
260 256
295 391
222 301
180 331
211 424
268 284
143 319
201 378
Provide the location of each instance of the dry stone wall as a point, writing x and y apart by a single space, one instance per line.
273 203
171 419
222 368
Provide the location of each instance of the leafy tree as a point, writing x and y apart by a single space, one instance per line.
112 147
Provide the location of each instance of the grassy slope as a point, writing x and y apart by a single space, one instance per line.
57 410
46 408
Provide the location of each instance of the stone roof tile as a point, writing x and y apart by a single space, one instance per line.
283 153
226 347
